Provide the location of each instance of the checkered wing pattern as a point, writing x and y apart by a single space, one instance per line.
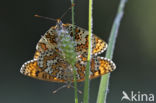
98 66
48 66
49 40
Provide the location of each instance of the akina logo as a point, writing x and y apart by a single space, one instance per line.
137 96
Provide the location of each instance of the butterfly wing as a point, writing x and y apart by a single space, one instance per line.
37 54
99 66
49 41
81 39
32 69
47 66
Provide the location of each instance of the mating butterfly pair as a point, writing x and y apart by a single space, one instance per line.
49 65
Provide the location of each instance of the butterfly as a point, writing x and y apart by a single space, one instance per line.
49 65
49 39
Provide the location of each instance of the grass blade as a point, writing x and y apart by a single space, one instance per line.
103 88
86 85
73 30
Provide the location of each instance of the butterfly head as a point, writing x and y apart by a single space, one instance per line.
59 23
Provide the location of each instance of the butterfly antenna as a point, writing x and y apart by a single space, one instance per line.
59 88
66 11
43 17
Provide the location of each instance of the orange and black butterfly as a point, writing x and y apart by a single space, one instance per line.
49 65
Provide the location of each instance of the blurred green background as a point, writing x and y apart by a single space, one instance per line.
134 55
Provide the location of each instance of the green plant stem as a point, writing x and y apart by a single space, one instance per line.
75 86
86 85
73 30
103 88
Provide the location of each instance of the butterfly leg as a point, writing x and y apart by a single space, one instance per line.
59 88
80 92
70 85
